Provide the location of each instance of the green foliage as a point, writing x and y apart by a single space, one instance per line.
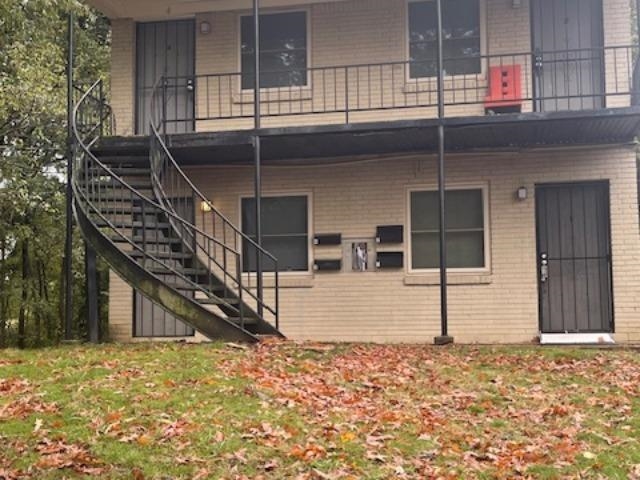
33 140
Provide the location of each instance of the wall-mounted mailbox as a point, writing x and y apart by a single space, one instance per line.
327 265
327 239
390 234
390 260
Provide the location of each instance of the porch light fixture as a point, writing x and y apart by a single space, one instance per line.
522 194
205 28
205 207
516 3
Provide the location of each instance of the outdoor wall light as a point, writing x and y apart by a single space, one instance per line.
205 28
516 3
522 193
205 206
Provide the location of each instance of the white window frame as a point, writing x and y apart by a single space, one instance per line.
273 194
307 12
484 186
467 77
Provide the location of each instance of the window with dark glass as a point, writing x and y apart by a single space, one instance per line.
460 32
283 50
284 232
465 229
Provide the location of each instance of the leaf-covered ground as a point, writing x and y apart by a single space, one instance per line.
283 410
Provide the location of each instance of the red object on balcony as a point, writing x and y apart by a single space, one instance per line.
505 87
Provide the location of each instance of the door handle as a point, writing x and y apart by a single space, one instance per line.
190 85
544 268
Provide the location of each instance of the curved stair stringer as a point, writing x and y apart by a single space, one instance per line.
123 223
186 309
260 325
172 189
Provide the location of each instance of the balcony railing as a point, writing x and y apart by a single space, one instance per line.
576 79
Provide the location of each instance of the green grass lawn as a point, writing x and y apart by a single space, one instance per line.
283 410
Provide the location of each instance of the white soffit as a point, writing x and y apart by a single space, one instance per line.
164 9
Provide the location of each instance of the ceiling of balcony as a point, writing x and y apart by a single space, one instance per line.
163 9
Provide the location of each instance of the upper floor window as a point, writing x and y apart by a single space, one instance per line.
466 229
460 32
283 50
285 232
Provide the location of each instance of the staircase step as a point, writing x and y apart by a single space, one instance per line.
124 197
134 224
191 288
156 234
128 163
217 301
247 320
123 171
125 150
164 255
128 208
112 184
182 286
184 271
137 239
150 239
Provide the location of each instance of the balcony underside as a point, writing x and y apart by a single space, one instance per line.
464 134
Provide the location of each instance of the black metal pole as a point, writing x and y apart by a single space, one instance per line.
638 22
91 272
444 327
635 60
256 59
68 322
256 150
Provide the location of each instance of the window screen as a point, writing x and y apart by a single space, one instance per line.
464 228
460 32
284 232
283 50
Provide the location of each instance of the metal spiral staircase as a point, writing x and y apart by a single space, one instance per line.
132 210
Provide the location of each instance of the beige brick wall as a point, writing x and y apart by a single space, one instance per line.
617 31
348 33
120 309
386 306
123 53
395 306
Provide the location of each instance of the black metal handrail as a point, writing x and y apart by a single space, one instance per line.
176 192
96 118
97 188
568 79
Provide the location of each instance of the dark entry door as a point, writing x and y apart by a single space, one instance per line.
166 49
574 258
568 63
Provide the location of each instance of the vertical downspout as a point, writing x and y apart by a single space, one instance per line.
637 22
636 61
444 327
256 151
68 322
